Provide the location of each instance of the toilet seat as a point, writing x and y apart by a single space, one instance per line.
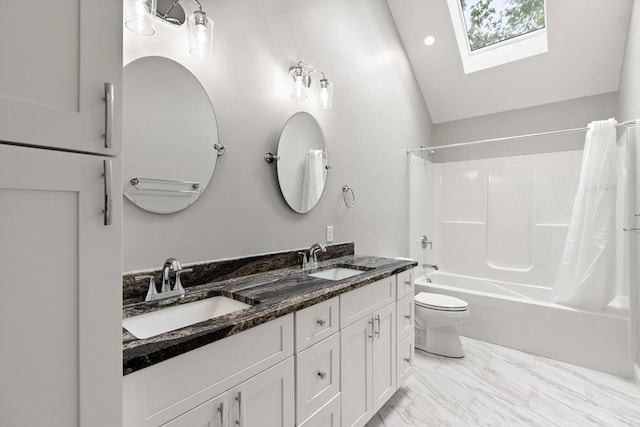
440 302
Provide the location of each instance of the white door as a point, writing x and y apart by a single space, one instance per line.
60 291
384 355
266 399
355 368
213 413
56 57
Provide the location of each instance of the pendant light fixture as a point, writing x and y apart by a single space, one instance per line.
139 18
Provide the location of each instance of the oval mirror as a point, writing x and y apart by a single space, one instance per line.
302 162
169 133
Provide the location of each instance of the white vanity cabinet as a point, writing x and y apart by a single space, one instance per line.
60 316
54 70
368 350
352 352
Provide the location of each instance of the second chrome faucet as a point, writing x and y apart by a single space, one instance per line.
311 260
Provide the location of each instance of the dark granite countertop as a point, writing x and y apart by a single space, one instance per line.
271 293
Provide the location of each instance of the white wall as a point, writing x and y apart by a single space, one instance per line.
377 112
629 109
574 113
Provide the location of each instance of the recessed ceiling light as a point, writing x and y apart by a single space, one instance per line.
429 40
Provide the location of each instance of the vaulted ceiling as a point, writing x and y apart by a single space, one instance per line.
586 44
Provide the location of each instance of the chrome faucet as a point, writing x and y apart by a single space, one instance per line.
434 266
166 290
313 253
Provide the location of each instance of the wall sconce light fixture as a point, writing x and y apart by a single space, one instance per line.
301 82
139 18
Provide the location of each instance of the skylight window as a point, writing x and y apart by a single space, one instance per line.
495 32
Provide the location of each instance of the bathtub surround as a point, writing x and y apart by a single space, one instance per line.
499 386
586 274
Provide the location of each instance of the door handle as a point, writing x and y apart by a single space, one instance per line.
109 99
221 410
378 321
370 324
108 193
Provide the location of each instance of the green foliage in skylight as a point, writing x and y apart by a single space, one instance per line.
493 21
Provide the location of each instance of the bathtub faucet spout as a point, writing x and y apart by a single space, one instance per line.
434 266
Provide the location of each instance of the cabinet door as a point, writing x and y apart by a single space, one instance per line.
384 355
56 58
266 399
405 360
213 413
355 368
60 291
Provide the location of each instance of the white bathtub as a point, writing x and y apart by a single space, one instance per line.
521 317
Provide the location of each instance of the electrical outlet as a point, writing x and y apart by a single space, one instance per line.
329 233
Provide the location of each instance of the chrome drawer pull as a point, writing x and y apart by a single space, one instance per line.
108 198
407 359
321 322
239 400
378 331
322 375
407 282
407 316
221 410
109 98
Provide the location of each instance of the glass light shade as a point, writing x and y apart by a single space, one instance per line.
139 16
200 34
300 83
326 94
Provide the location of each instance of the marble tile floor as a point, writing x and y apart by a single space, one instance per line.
498 386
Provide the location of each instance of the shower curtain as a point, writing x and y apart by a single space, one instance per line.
587 272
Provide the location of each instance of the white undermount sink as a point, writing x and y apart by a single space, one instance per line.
337 273
171 318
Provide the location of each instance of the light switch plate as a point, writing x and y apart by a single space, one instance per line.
329 233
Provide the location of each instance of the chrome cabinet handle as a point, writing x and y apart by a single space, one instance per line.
239 400
370 324
407 316
322 375
109 98
407 359
378 331
321 322
108 197
221 410
407 282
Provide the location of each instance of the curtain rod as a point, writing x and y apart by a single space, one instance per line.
432 150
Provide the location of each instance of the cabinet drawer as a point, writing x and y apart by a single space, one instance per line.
327 416
405 283
315 323
212 413
405 317
317 376
405 360
365 300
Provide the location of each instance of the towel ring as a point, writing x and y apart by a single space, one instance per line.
349 196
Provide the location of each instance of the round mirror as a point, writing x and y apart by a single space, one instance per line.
170 135
302 162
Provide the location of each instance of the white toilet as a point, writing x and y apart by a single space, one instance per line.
436 319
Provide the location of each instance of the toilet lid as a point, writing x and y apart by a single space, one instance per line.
440 302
